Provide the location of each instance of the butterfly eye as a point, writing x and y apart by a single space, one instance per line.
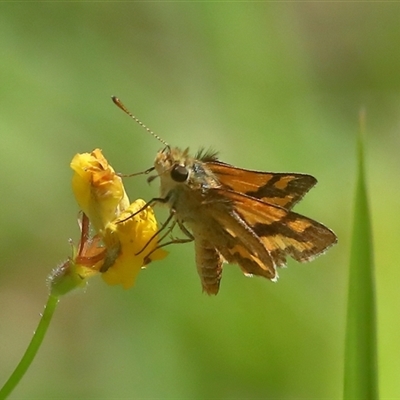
179 173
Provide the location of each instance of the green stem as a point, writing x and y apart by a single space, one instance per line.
32 349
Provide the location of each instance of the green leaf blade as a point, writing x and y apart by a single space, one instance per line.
361 372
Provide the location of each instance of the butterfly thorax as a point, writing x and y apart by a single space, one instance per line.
184 181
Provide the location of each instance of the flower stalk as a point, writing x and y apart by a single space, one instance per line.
32 349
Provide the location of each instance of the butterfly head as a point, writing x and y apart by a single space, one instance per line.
174 166
177 169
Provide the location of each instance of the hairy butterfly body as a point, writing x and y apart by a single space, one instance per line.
239 216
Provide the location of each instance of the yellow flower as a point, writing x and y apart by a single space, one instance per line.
98 189
124 242
132 238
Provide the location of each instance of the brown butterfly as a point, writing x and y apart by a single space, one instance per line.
236 215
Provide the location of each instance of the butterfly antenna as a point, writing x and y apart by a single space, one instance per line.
119 104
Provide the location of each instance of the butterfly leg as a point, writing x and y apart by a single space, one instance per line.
169 230
148 204
185 230
190 237
164 225
173 241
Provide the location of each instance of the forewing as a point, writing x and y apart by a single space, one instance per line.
281 189
282 232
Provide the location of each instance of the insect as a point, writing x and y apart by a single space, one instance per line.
236 215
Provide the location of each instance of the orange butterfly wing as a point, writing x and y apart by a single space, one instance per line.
279 231
281 189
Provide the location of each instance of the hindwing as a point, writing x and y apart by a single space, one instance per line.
279 231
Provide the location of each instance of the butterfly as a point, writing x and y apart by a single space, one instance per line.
235 215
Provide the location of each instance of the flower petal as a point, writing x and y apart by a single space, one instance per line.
133 233
98 189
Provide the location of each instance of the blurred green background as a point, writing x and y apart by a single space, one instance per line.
273 86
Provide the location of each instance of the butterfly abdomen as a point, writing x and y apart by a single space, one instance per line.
209 266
